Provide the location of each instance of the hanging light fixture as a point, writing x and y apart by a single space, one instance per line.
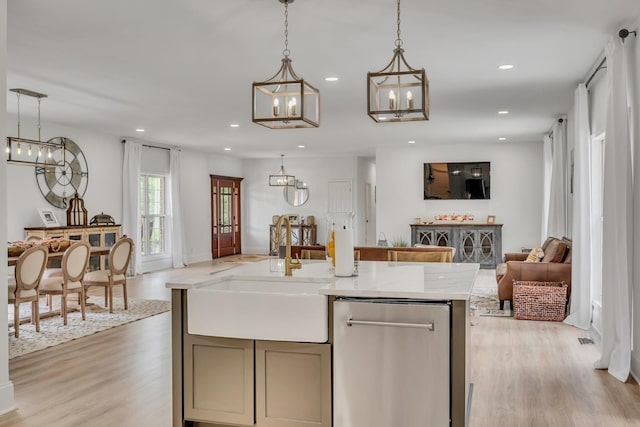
476 172
286 101
398 93
281 179
14 145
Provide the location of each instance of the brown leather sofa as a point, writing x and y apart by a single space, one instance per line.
554 267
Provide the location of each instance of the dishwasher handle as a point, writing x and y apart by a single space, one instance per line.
429 326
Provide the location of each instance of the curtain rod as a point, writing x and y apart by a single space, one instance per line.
154 146
623 34
598 68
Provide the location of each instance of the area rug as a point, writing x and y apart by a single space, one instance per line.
486 303
53 332
246 258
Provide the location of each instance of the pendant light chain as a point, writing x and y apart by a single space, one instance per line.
39 127
398 40
18 95
286 50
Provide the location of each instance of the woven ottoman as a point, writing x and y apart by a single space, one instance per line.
539 300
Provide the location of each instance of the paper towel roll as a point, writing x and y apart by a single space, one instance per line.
344 252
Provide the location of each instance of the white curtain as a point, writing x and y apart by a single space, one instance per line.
547 161
557 222
175 204
582 257
130 201
618 216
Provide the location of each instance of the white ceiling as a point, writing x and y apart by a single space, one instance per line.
183 69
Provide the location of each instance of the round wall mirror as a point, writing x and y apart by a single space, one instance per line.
298 194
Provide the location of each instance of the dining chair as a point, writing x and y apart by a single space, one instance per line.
74 267
450 249
312 254
23 287
320 254
119 258
415 256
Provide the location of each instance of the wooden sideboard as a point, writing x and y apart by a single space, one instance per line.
95 235
301 235
477 243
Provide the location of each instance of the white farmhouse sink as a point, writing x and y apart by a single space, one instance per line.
278 309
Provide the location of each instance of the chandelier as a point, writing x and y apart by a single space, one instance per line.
286 101
30 152
398 92
281 179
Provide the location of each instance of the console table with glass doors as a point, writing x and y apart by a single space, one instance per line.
301 235
95 235
477 243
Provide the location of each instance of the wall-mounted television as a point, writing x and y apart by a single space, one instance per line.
457 181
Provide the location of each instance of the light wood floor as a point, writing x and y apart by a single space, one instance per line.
524 373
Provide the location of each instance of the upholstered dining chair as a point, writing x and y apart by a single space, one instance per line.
312 254
320 254
406 256
119 257
23 287
74 267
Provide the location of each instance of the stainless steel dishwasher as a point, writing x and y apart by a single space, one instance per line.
391 363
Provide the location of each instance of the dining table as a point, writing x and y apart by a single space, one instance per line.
94 250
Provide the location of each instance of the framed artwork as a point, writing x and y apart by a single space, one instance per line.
294 219
48 218
491 219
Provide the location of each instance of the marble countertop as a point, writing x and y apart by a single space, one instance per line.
375 279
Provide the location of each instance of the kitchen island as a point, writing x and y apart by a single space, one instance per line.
252 347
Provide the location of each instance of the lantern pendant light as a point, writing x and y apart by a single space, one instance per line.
398 92
282 179
286 101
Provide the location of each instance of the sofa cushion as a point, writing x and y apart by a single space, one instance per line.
555 251
567 255
535 255
547 242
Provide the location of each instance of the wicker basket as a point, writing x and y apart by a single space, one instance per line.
539 300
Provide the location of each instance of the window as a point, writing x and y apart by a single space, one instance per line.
153 214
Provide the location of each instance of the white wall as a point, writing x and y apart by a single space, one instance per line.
104 155
366 175
261 202
516 189
196 198
104 159
6 386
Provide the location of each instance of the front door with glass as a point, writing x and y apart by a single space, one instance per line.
225 216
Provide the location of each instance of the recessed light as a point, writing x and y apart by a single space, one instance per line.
234 125
505 67
412 142
502 138
331 79
139 130
300 146
503 112
227 149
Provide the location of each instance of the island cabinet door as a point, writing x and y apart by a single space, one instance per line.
293 384
218 380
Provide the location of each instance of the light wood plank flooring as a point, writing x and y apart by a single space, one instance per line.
524 373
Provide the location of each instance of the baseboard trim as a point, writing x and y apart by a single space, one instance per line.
635 366
192 259
7 403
